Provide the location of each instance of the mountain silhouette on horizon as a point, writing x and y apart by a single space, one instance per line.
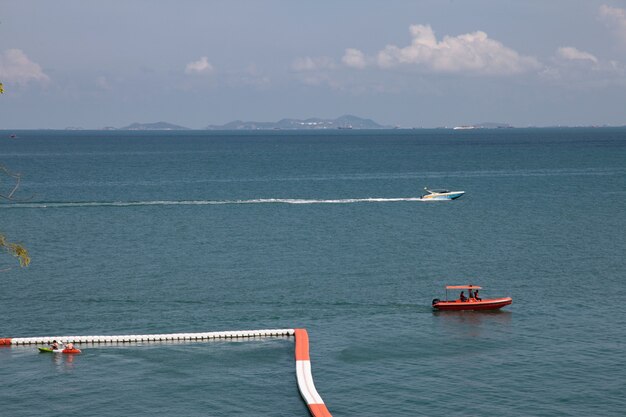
343 122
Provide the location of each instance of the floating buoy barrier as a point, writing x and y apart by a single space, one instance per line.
148 337
309 394
307 389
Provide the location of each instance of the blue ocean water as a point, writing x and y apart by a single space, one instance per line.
159 232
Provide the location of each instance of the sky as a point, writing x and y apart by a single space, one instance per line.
428 63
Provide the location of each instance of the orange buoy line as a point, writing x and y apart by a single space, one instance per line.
305 378
314 402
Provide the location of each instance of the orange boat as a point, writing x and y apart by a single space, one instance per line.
471 301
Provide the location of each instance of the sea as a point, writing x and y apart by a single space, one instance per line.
199 231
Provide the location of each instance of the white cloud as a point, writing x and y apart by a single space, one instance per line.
472 53
201 66
575 69
16 67
616 18
313 64
572 54
354 58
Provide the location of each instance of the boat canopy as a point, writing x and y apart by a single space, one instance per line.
437 190
463 287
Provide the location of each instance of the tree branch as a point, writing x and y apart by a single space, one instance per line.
16 250
17 178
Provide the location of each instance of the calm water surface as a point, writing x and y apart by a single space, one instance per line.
204 231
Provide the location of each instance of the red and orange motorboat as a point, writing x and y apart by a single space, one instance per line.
470 302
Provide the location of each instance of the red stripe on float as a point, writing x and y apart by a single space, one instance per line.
319 410
302 345
5 341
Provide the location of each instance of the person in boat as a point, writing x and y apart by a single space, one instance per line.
476 296
54 345
462 296
70 346
470 295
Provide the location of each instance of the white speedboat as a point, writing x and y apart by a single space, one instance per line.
441 194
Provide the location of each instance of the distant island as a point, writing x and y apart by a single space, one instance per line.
343 122
150 126
484 126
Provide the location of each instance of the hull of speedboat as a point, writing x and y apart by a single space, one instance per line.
452 195
491 304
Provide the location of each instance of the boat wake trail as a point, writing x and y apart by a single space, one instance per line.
51 204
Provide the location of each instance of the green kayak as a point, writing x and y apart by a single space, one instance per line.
66 350
47 350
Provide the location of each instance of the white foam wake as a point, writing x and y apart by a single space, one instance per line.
205 202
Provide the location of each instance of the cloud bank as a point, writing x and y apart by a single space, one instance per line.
200 67
354 58
473 53
616 18
572 54
16 67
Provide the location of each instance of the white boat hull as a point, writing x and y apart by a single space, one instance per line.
452 195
